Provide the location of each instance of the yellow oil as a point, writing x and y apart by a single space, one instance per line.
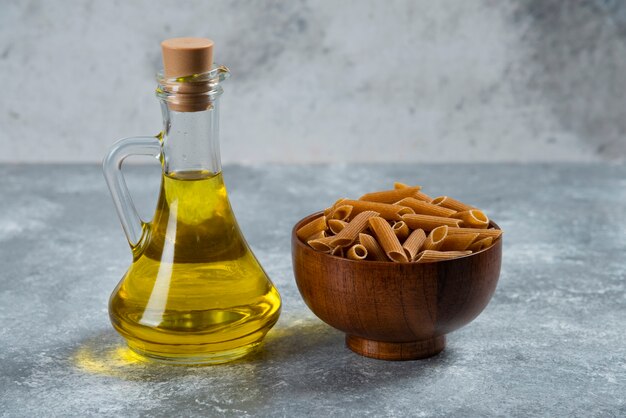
195 293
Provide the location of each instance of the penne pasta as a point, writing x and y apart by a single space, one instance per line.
435 239
390 196
428 222
342 212
482 233
450 203
330 210
481 244
317 235
313 227
413 243
337 251
458 242
387 239
429 256
351 232
374 252
400 225
321 244
418 195
401 230
473 218
422 196
357 252
336 225
421 207
386 211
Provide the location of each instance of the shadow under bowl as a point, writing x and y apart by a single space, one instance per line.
395 311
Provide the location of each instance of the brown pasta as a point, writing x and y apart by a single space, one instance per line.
337 251
450 203
386 211
473 218
481 244
321 244
482 233
390 196
429 256
413 243
330 210
317 235
419 195
342 212
435 239
421 207
428 222
313 227
387 239
357 252
404 224
351 232
423 196
374 252
401 230
336 225
458 242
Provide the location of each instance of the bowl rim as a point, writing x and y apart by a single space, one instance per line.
315 215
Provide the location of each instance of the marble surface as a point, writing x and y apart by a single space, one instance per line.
551 342
444 80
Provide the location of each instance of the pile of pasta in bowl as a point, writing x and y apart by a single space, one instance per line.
401 225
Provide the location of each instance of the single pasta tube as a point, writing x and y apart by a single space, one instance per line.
450 203
386 210
374 252
342 212
317 235
413 243
316 225
482 233
422 196
351 232
337 251
435 239
387 239
418 195
398 185
472 218
335 225
401 230
430 256
390 196
421 207
428 222
321 244
330 210
458 242
357 252
481 244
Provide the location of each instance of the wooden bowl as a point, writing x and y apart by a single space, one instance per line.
395 311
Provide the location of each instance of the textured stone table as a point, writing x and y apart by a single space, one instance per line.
552 342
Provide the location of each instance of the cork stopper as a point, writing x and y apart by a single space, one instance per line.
186 56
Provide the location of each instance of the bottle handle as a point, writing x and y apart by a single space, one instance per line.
112 167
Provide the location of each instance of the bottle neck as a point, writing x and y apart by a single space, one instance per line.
190 140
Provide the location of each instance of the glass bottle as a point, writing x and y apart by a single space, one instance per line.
194 293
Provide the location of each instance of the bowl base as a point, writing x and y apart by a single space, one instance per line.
413 350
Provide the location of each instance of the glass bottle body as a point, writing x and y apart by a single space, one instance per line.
195 293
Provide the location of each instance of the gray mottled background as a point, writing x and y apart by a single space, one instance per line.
326 80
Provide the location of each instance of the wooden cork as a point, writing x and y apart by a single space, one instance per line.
183 57
186 56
